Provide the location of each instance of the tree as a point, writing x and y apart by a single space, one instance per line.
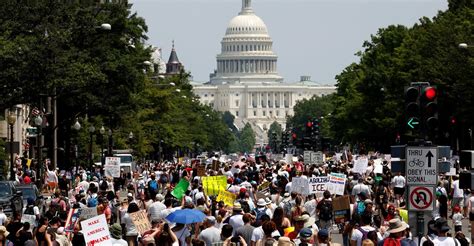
247 139
274 135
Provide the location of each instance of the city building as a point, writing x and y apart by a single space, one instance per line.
246 82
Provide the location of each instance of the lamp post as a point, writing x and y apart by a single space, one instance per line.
39 124
130 139
11 121
76 126
91 134
109 149
102 132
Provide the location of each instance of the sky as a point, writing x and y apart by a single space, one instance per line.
318 38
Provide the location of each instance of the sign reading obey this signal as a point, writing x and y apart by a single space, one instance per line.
421 165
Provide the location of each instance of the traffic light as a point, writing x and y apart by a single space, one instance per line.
429 101
412 107
316 134
285 139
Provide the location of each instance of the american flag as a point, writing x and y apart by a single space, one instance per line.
35 112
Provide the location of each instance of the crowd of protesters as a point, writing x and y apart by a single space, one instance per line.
279 217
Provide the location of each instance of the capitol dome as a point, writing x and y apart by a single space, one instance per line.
246 53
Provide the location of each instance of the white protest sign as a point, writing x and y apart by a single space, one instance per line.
336 184
360 165
30 218
307 157
87 213
96 231
112 167
300 185
317 185
317 157
378 169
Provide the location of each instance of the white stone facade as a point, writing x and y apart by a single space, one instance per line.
246 82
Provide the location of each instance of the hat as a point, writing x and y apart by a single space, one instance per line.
396 225
286 195
159 197
116 231
211 219
188 200
237 207
362 193
323 233
253 182
308 221
94 178
306 232
268 201
368 201
243 190
261 202
130 195
442 225
369 180
3 230
284 241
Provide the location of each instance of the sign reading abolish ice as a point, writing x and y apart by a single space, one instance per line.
317 185
96 231
337 183
112 167
213 184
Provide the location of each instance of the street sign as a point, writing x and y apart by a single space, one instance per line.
413 122
317 157
421 165
421 198
307 157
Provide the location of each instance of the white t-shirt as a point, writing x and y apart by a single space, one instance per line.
445 241
310 207
51 177
183 234
3 218
457 193
357 234
398 181
258 234
129 226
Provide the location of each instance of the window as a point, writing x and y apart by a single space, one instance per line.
236 103
286 113
211 104
264 113
277 113
205 95
254 113
236 94
212 95
299 94
270 112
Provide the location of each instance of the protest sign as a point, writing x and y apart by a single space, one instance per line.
180 188
360 165
265 186
300 186
215 165
141 222
342 208
112 167
87 213
72 219
213 184
96 231
336 184
378 168
30 218
227 197
317 185
201 170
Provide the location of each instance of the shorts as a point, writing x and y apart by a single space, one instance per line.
471 216
399 191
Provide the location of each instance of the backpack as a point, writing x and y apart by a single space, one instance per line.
92 202
259 213
360 207
152 185
164 179
364 233
391 242
462 239
325 210
104 185
287 207
29 210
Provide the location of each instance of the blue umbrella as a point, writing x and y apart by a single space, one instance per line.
186 216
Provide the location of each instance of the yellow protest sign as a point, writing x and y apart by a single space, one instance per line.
404 214
212 185
28 163
227 197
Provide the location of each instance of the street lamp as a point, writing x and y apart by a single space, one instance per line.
11 121
102 133
91 132
105 26
77 125
39 124
130 139
109 149
464 46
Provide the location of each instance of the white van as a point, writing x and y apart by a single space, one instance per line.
126 162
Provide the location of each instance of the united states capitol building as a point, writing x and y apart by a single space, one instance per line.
246 82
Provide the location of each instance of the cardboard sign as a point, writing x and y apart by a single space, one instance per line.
227 197
141 222
201 170
341 216
300 186
30 218
112 167
341 203
96 231
87 213
214 184
336 184
360 165
180 188
317 185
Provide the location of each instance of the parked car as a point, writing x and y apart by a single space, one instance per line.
30 190
10 198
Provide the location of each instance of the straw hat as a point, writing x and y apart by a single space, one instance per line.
284 241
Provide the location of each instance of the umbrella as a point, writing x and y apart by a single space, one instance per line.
186 216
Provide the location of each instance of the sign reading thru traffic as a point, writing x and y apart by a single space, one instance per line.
421 165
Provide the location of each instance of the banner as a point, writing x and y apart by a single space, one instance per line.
227 197
180 188
141 222
360 166
112 167
317 185
336 184
96 231
213 184
300 186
